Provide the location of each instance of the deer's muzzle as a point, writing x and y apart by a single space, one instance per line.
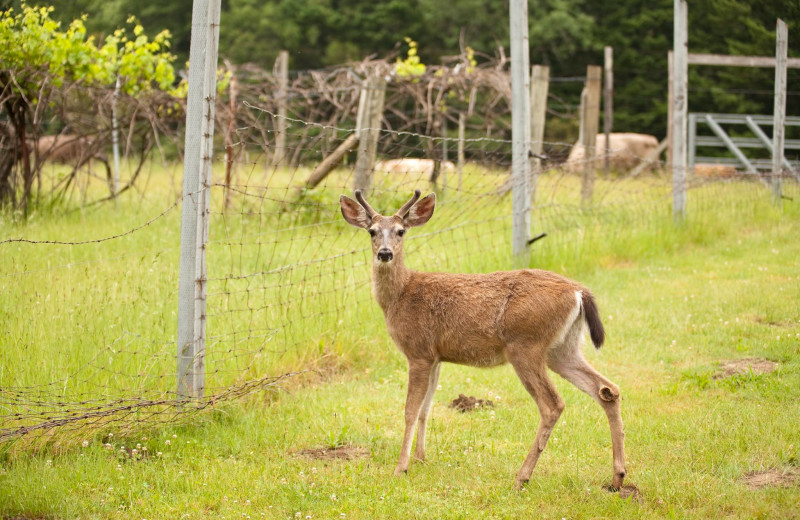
385 255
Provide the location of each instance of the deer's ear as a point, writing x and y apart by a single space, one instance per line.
421 212
353 213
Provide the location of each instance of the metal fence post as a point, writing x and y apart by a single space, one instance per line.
779 114
195 208
520 132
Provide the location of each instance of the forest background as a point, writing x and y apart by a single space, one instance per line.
567 35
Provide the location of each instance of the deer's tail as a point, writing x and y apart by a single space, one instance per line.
590 312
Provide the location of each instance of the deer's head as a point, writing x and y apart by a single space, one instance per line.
387 232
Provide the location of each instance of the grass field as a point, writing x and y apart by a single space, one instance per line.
676 300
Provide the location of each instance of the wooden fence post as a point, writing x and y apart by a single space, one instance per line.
779 114
670 114
199 148
679 108
540 83
608 103
462 122
232 90
282 73
443 166
520 132
368 128
590 123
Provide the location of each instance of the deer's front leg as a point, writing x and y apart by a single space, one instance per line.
425 412
419 373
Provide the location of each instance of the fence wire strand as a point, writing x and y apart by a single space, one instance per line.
288 280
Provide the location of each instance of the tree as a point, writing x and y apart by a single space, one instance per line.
39 58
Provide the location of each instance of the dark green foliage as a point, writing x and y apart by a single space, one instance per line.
568 35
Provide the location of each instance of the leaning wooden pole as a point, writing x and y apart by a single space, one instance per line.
331 161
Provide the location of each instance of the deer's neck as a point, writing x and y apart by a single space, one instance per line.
389 281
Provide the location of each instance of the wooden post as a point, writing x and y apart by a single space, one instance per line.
520 131
540 82
779 114
443 166
608 103
199 148
282 73
229 140
462 123
115 141
670 98
368 128
591 113
679 108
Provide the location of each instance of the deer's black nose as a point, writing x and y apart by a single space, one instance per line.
384 255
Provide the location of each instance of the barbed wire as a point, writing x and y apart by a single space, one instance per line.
94 240
288 285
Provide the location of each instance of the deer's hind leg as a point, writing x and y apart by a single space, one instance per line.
529 363
567 360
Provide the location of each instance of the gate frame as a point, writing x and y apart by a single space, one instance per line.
679 60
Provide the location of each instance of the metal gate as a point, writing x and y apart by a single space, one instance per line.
721 139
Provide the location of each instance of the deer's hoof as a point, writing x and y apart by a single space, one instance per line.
400 472
519 484
616 482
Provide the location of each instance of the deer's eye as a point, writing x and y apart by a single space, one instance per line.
371 232
401 232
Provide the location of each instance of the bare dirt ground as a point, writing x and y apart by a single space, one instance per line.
775 477
463 403
345 452
745 366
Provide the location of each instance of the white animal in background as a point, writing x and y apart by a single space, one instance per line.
627 150
412 165
73 150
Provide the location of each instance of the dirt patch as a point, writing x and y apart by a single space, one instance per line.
765 321
630 492
745 366
775 477
462 403
345 452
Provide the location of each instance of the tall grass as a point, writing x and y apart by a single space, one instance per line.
288 279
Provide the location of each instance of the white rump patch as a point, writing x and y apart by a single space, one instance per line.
570 320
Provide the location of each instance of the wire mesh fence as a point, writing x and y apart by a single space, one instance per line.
89 321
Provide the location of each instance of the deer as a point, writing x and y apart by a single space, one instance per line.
71 149
530 318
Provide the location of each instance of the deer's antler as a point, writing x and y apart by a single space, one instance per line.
364 204
403 211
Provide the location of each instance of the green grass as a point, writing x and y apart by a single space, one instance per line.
676 300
